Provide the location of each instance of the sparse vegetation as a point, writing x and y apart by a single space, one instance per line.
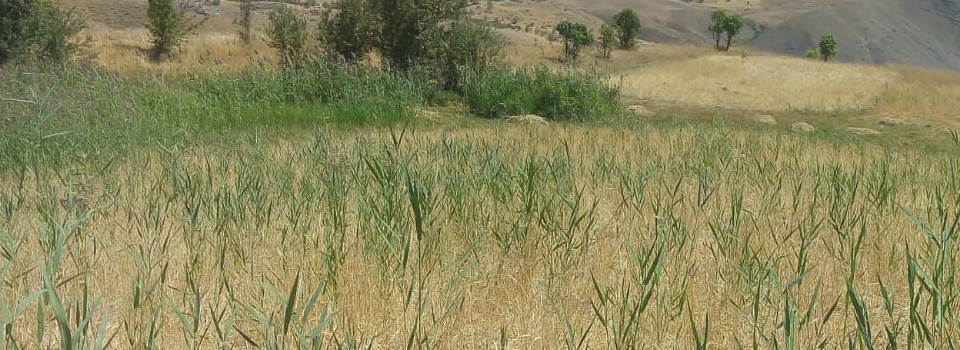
812 53
575 36
628 26
828 47
168 25
287 32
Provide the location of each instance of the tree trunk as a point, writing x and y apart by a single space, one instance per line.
729 39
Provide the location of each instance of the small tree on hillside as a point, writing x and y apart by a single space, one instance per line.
168 26
732 25
246 17
351 32
575 37
828 47
607 40
288 34
628 26
717 20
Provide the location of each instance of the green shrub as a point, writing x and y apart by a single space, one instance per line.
563 95
607 40
812 53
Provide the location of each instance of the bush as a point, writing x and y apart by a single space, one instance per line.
288 34
813 53
168 26
564 95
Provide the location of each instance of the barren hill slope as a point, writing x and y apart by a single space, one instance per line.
915 32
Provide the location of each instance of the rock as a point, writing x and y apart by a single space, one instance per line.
802 127
891 121
764 119
640 111
862 131
527 119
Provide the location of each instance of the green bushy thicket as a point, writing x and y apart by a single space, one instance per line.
560 95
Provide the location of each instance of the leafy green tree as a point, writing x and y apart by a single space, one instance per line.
575 37
732 25
168 25
717 20
607 40
828 47
15 16
39 28
351 32
628 26
288 34
408 28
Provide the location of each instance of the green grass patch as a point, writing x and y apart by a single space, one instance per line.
563 95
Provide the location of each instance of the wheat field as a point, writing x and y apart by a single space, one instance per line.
500 237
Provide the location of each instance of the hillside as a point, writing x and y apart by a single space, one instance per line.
914 32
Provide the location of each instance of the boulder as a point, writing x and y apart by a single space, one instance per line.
765 119
862 131
527 119
802 127
640 111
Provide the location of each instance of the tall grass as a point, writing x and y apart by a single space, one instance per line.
566 94
503 237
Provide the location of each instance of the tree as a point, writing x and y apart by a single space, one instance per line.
37 27
732 24
408 28
607 40
246 10
350 32
575 37
628 26
167 25
53 31
288 34
467 46
828 47
717 20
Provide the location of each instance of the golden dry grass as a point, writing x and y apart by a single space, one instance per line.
761 83
128 52
230 230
